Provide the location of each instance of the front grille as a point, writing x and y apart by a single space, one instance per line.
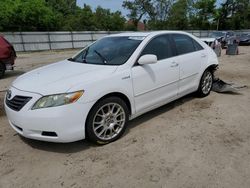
17 102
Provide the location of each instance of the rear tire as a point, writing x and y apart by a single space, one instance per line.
107 120
206 84
2 70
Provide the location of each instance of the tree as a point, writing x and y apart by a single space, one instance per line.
66 12
156 11
49 15
160 14
104 19
234 14
65 7
26 15
81 19
161 9
204 14
178 15
7 12
117 21
138 9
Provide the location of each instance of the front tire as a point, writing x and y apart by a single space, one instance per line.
107 120
206 84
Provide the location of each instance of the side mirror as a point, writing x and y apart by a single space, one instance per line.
147 59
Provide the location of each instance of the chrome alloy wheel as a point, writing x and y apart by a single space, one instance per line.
108 121
207 82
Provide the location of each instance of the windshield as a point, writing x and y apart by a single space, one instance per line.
216 34
109 51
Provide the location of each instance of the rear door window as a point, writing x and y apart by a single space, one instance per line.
184 44
197 45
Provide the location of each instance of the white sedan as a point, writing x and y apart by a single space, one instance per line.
117 78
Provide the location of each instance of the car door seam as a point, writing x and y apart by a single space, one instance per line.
156 88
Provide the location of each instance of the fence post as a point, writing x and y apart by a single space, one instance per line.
22 41
49 40
92 37
72 39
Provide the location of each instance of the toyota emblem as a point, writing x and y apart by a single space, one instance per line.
9 94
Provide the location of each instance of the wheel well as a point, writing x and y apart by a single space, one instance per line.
212 68
121 96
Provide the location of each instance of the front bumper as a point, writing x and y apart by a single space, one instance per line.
56 124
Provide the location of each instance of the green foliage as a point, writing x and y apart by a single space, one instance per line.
7 10
17 15
138 9
117 21
105 20
178 15
65 7
234 14
205 11
160 14
190 14
50 15
82 19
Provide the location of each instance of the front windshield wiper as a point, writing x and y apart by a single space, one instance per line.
82 60
104 60
85 56
71 59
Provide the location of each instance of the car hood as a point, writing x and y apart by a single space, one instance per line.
208 39
60 77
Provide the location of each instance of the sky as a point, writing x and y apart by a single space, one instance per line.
113 5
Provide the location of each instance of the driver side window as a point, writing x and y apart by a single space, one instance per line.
159 46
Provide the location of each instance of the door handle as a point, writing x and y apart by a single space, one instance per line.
174 64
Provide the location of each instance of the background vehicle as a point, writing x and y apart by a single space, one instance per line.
119 77
7 56
223 37
214 44
244 39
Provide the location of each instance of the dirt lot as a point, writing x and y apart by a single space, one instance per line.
189 143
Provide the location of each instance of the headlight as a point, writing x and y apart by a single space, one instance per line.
57 100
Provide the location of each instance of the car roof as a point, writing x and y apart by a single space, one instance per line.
144 34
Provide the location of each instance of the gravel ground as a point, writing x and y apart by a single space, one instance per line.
188 143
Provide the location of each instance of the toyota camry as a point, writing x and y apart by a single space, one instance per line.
96 92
